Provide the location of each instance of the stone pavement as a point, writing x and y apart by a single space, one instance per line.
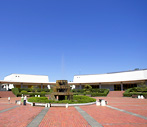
22 116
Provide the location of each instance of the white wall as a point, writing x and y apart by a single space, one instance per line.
112 77
27 78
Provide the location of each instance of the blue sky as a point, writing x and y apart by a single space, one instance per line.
63 38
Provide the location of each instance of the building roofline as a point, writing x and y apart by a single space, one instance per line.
112 72
25 74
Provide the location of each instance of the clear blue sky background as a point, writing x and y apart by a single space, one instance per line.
63 38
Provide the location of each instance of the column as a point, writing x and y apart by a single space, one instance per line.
80 86
100 86
121 86
21 85
41 86
146 83
8 87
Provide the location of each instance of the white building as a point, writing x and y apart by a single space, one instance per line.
26 81
113 81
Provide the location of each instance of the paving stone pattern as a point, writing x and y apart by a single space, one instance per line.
22 116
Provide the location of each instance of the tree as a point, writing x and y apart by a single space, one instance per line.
87 88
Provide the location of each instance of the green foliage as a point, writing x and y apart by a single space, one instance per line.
135 91
38 99
92 92
76 99
87 87
15 91
24 92
78 90
46 90
19 95
35 93
26 89
102 92
34 88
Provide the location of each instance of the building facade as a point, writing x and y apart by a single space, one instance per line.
114 81
26 81
117 81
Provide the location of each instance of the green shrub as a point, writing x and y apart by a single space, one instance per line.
76 99
33 94
100 92
15 91
46 90
135 91
24 89
38 99
74 90
24 92
19 95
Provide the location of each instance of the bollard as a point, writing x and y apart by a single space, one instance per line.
67 105
97 103
103 103
19 102
46 105
138 96
141 97
38 95
35 95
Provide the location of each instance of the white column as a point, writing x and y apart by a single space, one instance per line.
100 86
80 86
121 86
21 85
41 86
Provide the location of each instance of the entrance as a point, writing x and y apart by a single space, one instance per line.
117 87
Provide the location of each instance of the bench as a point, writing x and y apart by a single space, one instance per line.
134 96
145 96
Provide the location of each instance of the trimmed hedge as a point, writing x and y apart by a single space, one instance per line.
15 91
93 92
42 94
135 91
76 99
24 92
38 99
33 90
24 89
106 91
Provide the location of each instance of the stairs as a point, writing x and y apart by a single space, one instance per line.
115 94
6 94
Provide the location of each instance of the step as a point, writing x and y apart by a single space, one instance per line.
115 94
6 94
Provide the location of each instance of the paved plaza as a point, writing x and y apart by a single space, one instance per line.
120 112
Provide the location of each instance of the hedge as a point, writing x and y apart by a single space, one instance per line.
33 90
135 91
106 91
93 92
42 94
76 99
24 92
15 91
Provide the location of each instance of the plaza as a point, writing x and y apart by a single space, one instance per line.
120 112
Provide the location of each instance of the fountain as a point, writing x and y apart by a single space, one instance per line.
62 90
